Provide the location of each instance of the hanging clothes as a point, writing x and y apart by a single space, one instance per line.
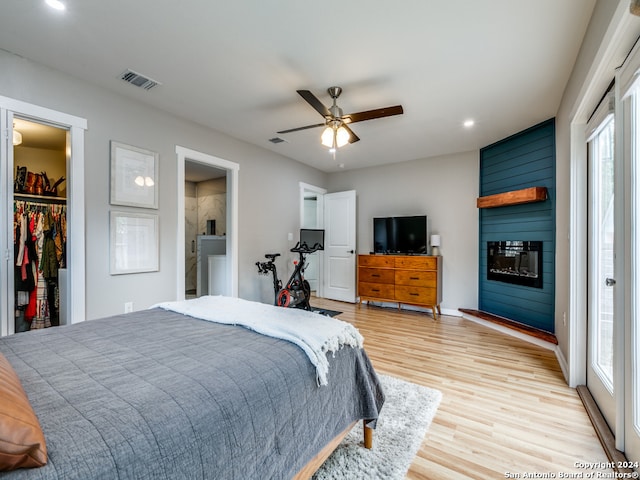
39 246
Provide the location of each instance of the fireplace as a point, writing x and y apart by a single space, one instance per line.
518 262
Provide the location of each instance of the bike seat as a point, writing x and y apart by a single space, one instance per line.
271 256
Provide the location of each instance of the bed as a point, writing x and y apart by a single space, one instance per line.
160 394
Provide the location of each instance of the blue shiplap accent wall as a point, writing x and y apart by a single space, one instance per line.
524 160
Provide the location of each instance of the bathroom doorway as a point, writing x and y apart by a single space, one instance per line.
205 203
223 263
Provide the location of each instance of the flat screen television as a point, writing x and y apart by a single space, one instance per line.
405 235
312 237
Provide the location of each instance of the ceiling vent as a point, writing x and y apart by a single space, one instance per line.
134 78
276 140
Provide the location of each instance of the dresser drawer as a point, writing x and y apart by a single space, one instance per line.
376 290
416 278
376 261
375 275
419 263
418 295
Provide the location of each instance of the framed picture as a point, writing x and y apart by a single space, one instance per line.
134 243
134 176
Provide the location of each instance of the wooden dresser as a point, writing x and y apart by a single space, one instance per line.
412 280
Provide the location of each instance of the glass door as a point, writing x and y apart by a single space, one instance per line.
601 281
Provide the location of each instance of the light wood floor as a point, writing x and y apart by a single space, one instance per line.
506 406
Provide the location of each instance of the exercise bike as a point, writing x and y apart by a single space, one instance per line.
297 291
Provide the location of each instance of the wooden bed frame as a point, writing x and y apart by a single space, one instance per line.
310 468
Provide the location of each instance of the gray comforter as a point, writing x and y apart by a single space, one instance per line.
155 394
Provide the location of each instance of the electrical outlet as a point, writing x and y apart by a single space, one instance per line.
128 307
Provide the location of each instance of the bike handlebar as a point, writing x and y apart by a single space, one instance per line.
304 248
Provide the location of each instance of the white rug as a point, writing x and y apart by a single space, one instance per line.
404 420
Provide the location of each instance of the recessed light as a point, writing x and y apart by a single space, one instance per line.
469 123
56 4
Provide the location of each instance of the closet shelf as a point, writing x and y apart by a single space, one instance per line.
514 197
39 198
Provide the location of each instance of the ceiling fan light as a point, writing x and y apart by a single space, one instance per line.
56 4
327 137
17 138
342 136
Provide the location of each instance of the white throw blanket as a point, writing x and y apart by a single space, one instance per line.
315 334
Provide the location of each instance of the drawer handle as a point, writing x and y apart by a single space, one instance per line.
414 294
414 278
375 275
375 290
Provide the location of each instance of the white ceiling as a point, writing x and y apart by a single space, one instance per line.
235 66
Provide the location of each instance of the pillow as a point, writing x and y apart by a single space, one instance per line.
21 439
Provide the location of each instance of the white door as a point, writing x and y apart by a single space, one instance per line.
340 246
601 279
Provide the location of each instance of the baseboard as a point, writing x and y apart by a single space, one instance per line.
606 437
564 365
466 314
413 308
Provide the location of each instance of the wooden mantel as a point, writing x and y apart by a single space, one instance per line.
515 197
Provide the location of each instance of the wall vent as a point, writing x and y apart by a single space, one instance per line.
134 78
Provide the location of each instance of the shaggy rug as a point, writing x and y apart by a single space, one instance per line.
403 422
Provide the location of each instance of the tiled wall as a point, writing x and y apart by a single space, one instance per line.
203 201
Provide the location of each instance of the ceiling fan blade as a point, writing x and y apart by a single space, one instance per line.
302 128
353 138
314 102
372 114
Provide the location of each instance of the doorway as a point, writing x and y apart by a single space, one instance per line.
205 229
312 216
39 225
226 268
70 132
336 214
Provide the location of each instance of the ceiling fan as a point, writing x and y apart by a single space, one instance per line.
337 132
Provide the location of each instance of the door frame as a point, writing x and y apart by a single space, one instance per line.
619 37
76 126
183 154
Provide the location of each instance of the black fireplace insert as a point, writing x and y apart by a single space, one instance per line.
518 262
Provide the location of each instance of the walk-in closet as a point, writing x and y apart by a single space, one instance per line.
39 224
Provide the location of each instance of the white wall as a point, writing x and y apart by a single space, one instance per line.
609 37
267 183
445 189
